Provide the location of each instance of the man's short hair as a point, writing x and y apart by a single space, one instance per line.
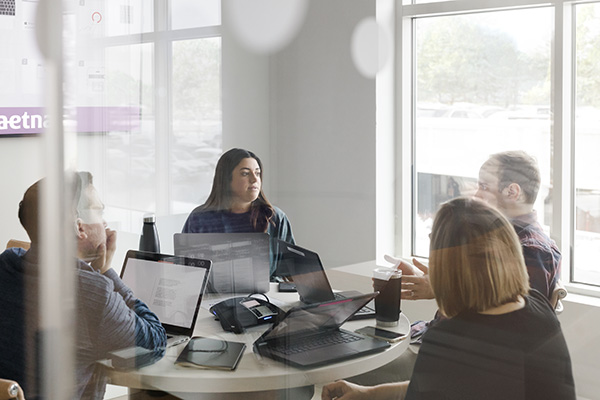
29 207
476 262
516 167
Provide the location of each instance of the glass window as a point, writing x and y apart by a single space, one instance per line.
195 14
196 140
482 86
587 143
122 159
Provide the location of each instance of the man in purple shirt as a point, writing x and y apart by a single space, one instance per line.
509 181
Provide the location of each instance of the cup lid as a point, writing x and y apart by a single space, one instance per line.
386 273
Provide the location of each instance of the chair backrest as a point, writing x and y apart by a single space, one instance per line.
18 243
559 293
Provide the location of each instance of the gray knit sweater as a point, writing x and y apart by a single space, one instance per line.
108 318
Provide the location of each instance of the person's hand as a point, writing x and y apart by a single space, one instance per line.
416 287
342 390
111 247
104 253
405 267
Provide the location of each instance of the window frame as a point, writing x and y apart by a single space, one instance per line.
162 37
563 134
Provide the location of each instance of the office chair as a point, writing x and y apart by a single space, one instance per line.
18 243
559 293
10 390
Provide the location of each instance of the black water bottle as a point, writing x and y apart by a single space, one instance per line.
149 239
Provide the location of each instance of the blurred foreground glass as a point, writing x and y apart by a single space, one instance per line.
587 143
482 86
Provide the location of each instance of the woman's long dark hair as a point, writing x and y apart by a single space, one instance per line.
220 197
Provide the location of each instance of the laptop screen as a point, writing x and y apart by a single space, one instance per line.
316 317
171 286
240 260
307 272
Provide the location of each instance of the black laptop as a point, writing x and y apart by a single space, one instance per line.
171 286
307 272
310 335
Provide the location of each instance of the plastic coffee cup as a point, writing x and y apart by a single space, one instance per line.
387 304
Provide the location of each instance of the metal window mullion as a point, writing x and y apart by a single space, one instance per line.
562 227
162 97
469 6
385 131
404 127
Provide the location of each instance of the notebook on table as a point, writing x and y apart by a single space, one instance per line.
201 352
240 261
307 272
171 286
310 335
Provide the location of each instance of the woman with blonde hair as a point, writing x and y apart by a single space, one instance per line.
500 339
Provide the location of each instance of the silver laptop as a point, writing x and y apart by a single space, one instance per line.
240 261
171 286
310 335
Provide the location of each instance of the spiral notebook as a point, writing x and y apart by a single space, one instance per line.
203 352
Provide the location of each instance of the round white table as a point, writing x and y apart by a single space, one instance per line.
255 377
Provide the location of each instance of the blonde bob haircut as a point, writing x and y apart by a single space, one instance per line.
475 260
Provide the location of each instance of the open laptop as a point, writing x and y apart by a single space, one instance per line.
307 272
310 335
240 261
171 286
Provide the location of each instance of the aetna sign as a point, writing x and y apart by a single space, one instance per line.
31 120
22 120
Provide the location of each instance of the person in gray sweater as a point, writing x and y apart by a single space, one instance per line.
108 316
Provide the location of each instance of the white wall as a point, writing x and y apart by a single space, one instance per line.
245 101
580 323
323 135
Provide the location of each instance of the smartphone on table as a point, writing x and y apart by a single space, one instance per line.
383 334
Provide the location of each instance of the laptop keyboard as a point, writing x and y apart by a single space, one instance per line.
363 310
316 342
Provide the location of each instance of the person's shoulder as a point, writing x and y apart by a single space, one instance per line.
12 255
538 301
539 312
13 251
279 214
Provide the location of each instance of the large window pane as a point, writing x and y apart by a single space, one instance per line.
196 140
195 14
482 86
119 149
587 143
118 17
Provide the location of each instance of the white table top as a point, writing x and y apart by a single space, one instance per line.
253 373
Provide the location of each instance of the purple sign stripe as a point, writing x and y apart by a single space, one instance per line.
31 120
